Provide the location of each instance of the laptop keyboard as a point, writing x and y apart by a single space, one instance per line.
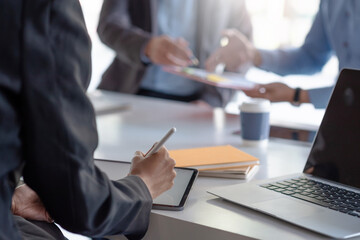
319 193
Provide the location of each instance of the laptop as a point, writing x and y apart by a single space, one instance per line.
325 197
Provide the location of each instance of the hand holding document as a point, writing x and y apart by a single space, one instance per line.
224 80
163 50
236 53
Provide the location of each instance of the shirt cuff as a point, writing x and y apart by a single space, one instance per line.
319 97
267 58
144 59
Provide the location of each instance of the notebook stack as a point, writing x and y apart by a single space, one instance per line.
220 161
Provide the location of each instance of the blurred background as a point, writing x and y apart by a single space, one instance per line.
276 23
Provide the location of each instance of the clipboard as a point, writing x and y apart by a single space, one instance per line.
228 80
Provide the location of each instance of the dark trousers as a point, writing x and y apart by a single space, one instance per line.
31 230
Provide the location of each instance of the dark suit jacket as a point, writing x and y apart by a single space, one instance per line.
127 25
47 124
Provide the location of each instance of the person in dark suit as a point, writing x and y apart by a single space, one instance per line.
146 34
48 129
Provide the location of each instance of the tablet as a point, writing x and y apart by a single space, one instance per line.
175 198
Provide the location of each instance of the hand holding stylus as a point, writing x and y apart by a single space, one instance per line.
156 170
159 144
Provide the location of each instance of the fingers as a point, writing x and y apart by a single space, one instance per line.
228 32
172 176
222 55
259 91
275 92
47 217
175 61
163 50
210 63
193 60
182 42
213 60
27 204
178 54
160 154
139 154
163 154
156 170
146 154
236 52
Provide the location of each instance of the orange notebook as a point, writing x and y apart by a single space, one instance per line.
207 158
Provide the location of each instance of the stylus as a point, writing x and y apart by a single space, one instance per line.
161 142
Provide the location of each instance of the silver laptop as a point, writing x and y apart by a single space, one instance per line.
325 198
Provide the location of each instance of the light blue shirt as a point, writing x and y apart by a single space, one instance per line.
335 30
175 18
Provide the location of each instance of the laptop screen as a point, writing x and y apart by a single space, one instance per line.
335 154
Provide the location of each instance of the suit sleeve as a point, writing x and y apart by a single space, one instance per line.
118 32
240 19
59 130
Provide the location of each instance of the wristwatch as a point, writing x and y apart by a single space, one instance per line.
296 98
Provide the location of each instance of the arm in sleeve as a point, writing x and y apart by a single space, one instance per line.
240 18
320 97
308 59
116 30
59 131
237 17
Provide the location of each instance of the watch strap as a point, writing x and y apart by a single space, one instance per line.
296 98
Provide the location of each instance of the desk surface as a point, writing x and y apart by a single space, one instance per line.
205 216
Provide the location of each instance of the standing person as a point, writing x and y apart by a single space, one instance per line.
48 130
146 34
335 31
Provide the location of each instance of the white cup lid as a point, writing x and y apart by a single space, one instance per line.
255 105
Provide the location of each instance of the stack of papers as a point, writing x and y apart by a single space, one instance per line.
239 173
220 161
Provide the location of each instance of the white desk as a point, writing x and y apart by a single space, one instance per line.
204 216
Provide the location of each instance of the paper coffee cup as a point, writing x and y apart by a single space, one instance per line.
255 121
